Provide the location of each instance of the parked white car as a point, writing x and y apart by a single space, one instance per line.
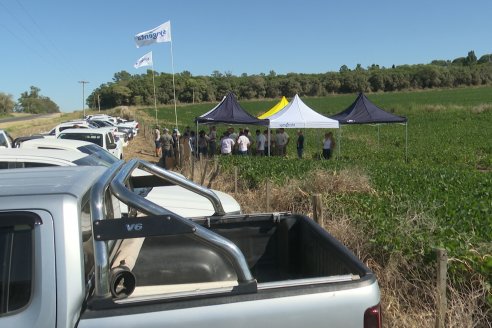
69 125
115 121
103 117
101 137
83 147
56 152
28 157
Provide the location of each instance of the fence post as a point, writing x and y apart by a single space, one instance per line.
235 179
204 172
192 158
267 193
215 172
442 267
318 210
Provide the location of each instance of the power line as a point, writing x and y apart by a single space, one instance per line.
26 44
83 94
57 51
42 49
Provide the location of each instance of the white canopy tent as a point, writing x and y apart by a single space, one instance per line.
297 115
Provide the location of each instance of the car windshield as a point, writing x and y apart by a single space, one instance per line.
97 156
103 123
91 160
97 124
95 138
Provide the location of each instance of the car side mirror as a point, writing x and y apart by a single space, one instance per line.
112 146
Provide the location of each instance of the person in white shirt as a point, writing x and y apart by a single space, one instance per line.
260 143
157 141
328 145
243 143
282 142
226 145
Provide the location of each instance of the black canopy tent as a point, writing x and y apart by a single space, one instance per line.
228 111
363 111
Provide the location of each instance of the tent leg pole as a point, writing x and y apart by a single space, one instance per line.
340 141
406 142
269 143
196 141
378 136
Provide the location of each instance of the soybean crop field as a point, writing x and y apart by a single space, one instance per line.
439 193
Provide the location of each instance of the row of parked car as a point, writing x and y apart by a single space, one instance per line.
79 143
110 133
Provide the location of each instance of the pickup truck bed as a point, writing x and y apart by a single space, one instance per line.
297 265
276 248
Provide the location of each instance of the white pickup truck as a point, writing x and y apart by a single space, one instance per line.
102 137
70 260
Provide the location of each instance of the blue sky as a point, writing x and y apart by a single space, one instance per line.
54 44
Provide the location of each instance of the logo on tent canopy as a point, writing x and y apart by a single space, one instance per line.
287 125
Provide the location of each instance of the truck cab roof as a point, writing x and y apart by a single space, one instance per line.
73 180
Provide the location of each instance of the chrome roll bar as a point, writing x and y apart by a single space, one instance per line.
101 258
116 178
173 178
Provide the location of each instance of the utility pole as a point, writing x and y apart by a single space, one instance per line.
83 95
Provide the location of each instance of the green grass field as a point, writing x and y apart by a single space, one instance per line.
445 182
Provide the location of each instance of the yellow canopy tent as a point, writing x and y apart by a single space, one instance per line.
281 104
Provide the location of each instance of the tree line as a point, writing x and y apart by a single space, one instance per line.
127 89
29 102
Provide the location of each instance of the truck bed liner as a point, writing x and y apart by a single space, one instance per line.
286 248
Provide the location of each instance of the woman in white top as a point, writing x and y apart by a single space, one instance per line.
157 141
328 145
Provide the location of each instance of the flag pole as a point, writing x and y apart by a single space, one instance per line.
174 86
155 99
174 95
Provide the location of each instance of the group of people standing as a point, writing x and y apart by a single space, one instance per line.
232 143
243 143
328 144
166 145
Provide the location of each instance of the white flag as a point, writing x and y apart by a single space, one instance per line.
145 60
161 33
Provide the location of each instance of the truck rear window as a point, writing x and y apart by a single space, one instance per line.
16 259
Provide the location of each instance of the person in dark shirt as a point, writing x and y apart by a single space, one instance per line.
300 144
